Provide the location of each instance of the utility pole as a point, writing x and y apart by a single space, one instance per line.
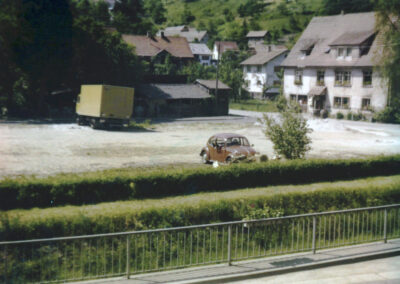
216 85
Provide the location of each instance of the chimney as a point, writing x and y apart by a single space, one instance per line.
148 34
162 34
269 48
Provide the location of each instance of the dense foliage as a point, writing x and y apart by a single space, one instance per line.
113 185
48 46
388 15
196 209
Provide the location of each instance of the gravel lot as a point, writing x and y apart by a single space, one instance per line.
42 149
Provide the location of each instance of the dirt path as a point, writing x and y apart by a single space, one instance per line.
46 149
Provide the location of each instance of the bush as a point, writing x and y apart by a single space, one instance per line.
339 115
198 209
290 137
349 116
388 115
115 185
263 158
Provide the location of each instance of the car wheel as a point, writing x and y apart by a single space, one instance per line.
204 158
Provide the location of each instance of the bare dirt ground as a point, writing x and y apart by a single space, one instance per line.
45 149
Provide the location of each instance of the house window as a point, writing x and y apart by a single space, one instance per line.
248 68
341 102
367 78
205 57
340 52
258 68
348 51
366 104
298 77
343 78
321 78
293 98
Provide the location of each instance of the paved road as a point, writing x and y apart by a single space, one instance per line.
384 270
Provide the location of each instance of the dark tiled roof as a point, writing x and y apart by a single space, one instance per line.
212 84
171 91
353 38
322 32
150 46
257 34
263 57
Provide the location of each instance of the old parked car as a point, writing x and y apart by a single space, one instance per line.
228 148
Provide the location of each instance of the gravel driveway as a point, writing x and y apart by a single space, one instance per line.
45 149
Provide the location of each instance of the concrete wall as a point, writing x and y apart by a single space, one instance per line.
377 92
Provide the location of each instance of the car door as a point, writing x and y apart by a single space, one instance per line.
212 149
220 151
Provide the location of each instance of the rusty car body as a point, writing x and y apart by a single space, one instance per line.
227 148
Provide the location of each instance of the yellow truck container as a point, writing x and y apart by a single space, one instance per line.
104 105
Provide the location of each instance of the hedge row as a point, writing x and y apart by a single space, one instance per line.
113 186
197 209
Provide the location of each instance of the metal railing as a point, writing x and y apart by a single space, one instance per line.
128 253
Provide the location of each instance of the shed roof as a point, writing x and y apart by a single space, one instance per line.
259 34
150 46
200 48
171 91
317 91
212 84
263 56
323 32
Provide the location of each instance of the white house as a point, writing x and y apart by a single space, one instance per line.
333 66
223 46
259 71
201 52
255 37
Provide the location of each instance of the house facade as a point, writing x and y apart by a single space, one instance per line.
221 46
201 53
333 66
260 71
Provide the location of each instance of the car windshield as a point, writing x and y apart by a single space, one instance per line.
237 141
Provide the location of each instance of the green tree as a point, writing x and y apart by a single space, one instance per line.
156 10
129 17
387 22
230 71
334 7
290 135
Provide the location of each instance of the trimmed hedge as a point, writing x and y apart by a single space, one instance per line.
196 209
114 185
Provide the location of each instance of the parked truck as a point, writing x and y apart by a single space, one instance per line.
104 106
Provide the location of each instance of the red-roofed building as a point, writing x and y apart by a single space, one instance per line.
223 46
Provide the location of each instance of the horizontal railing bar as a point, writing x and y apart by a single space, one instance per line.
198 226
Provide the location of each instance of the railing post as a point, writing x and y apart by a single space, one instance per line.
5 264
229 245
127 256
385 227
313 233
